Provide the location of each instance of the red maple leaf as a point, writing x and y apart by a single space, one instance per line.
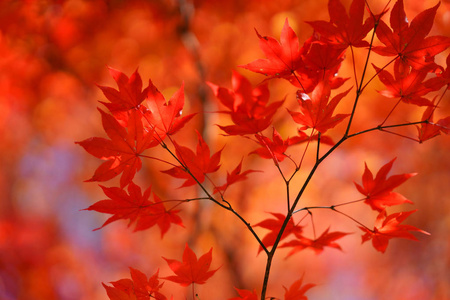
165 117
277 147
283 57
245 295
233 177
430 129
194 165
248 107
408 87
442 77
191 270
122 152
135 207
297 290
378 191
129 96
325 59
326 239
409 41
274 225
388 227
136 288
342 29
317 112
321 62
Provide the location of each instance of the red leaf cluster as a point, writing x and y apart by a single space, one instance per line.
137 208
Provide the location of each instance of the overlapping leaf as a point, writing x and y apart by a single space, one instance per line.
317 112
277 147
283 57
194 165
297 290
409 41
248 107
191 270
129 96
409 87
430 129
389 227
233 177
136 208
326 239
379 190
165 117
136 288
274 225
342 29
245 295
122 151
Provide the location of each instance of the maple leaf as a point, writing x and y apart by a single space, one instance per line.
430 129
129 96
409 87
297 291
245 295
277 147
136 288
442 78
322 61
122 152
283 57
326 239
195 165
388 227
409 41
378 191
324 58
165 117
135 207
248 107
317 112
233 177
191 270
274 225
342 29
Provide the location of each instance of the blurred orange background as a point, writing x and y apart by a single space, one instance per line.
52 55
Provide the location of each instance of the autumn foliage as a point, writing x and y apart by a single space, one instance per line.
258 156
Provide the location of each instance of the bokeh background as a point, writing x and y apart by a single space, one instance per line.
52 55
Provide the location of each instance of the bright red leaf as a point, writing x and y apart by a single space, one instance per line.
430 129
297 290
409 87
277 147
283 57
135 207
248 107
317 112
245 295
233 177
194 165
191 270
122 152
379 190
274 225
326 239
165 117
342 29
442 77
129 96
388 227
136 288
409 41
